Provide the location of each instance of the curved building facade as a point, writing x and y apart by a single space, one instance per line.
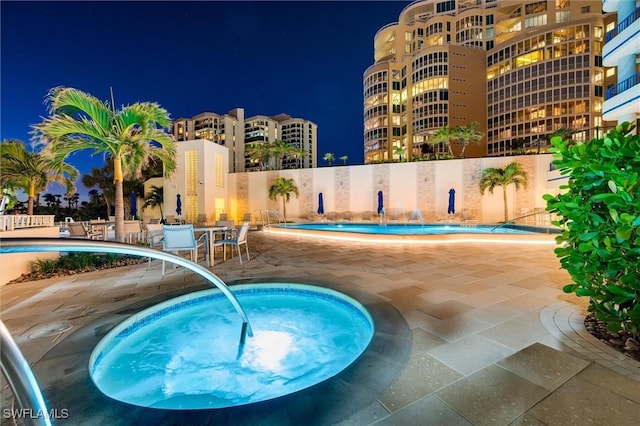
522 70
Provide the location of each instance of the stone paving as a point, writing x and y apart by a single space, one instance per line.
492 338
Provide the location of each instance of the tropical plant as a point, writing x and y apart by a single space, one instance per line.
32 171
259 152
102 178
443 135
492 177
283 187
468 134
329 158
599 209
132 136
281 149
344 159
155 198
399 151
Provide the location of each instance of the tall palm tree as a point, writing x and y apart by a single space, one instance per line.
344 159
467 134
492 177
281 149
329 157
259 152
102 178
132 136
155 198
283 187
32 171
443 135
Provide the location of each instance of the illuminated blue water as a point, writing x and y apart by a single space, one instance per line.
408 229
183 354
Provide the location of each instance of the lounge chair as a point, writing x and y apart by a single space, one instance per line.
347 217
367 216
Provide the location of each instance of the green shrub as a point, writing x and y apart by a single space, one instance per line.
599 209
44 266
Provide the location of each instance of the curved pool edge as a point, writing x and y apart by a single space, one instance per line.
535 239
155 312
66 383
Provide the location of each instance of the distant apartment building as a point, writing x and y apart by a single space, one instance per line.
621 52
237 133
522 70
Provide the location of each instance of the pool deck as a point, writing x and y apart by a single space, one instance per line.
471 333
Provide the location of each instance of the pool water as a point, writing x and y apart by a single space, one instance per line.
407 229
184 353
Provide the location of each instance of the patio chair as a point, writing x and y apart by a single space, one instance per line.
201 220
171 220
154 235
179 238
235 242
80 230
332 217
133 231
347 216
246 217
223 216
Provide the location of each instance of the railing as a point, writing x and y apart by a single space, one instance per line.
622 86
622 25
541 218
11 222
266 217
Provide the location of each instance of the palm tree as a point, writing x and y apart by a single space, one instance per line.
283 187
399 151
259 152
281 149
155 198
513 173
132 136
329 157
443 135
467 134
32 171
344 159
102 178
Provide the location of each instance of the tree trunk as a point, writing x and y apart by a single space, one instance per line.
506 210
117 180
32 197
284 208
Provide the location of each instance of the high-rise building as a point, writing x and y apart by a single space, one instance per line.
236 133
522 70
621 52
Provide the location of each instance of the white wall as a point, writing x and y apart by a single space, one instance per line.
408 186
16 264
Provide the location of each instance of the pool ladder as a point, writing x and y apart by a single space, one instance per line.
15 367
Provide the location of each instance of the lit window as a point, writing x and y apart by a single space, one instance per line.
611 72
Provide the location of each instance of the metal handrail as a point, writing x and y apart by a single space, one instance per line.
268 214
16 370
22 381
514 219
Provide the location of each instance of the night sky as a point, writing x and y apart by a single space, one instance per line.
302 58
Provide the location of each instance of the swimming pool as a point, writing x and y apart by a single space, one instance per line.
185 353
418 234
410 229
